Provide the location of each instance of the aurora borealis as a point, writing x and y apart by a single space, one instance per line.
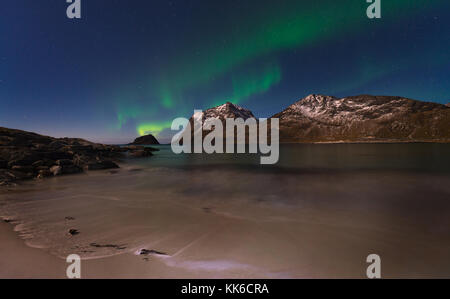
130 67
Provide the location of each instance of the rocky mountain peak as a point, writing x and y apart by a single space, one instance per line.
313 102
316 99
228 110
221 112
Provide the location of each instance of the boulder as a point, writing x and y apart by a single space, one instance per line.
22 158
38 164
43 173
73 232
56 170
6 177
25 169
151 252
64 162
21 175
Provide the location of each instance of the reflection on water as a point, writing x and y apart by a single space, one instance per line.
318 213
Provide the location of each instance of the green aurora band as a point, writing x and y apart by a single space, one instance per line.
152 128
263 33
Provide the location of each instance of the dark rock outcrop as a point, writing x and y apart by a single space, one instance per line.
151 252
113 246
26 155
145 140
100 164
364 118
73 232
139 151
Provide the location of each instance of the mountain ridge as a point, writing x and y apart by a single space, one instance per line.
363 118
320 118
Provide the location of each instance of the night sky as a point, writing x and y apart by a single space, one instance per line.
130 67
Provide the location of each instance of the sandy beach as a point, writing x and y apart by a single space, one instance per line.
197 217
20 261
17 261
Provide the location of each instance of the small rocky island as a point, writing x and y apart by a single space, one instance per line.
145 140
26 155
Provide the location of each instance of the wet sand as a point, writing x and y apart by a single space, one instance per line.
18 260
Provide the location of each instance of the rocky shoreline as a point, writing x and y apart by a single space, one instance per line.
25 155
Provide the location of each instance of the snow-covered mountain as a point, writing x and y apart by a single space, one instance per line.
365 118
227 110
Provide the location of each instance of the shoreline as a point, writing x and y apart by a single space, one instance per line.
6 185
20 261
17 260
